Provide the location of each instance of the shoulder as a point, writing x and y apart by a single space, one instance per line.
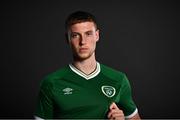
112 73
52 77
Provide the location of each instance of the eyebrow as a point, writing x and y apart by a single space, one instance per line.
75 33
89 31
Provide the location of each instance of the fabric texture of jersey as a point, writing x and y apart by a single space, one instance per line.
69 93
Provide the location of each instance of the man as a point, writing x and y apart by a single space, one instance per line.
85 88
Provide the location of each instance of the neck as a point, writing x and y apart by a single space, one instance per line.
87 66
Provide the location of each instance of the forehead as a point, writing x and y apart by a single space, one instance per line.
82 27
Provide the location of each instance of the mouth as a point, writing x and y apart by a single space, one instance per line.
83 49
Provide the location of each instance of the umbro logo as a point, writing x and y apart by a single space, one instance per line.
67 91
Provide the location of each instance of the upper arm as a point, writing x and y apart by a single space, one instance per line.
44 108
126 102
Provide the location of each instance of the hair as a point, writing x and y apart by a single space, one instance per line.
78 17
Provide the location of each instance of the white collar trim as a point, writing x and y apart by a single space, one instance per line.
87 77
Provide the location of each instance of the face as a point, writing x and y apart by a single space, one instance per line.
82 39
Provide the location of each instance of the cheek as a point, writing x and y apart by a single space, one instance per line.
73 43
93 44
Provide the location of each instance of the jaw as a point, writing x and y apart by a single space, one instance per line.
83 56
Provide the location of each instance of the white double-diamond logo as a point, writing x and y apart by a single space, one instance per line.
109 91
67 91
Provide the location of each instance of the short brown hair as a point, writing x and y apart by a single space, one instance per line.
78 17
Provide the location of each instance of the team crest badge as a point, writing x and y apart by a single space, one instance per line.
109 91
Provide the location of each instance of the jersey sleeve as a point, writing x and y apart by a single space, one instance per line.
126 102
44 108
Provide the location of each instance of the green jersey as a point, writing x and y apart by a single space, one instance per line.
69 93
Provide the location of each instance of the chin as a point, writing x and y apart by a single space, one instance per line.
83 57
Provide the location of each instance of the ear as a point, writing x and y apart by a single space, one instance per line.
97 35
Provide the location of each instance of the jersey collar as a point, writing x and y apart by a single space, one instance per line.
89 76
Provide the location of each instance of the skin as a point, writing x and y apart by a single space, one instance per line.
82 38
116 113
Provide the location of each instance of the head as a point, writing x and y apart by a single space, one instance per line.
82 34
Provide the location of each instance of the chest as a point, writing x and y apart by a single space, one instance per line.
85 98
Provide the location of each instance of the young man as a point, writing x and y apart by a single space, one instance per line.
85 89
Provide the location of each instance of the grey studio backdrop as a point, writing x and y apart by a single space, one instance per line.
139 38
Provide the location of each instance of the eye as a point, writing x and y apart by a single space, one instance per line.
89 33
74 35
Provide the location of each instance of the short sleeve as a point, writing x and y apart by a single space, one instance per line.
126 102
44 108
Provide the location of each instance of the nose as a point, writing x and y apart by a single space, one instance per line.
83 40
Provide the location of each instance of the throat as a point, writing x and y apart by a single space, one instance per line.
86 68
89 74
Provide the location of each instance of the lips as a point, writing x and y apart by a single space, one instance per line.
83 49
